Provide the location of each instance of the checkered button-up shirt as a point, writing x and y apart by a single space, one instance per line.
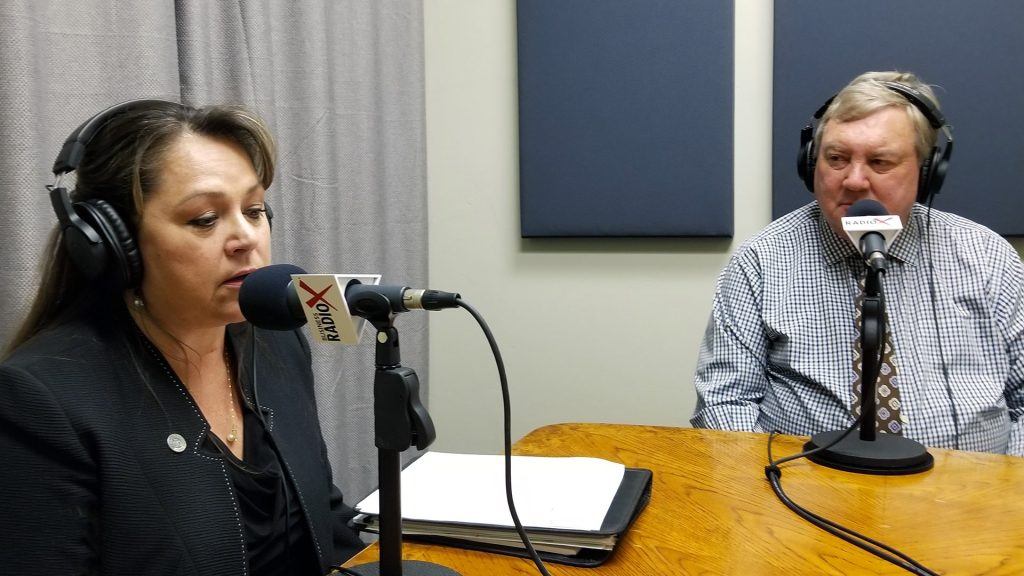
778 350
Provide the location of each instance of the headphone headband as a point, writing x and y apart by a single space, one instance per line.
920 101
73 150
96 238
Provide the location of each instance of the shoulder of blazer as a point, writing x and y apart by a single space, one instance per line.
75 347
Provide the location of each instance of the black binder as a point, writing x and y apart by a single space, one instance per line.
630 499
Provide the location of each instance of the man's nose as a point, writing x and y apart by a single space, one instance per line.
857 177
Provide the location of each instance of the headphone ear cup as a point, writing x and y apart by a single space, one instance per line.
805 166
270 216
805 158
933 173
924 181
122 254
85 249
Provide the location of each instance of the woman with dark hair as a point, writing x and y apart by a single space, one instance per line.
145 428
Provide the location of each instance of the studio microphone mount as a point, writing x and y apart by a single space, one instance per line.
269 300
400 421
870 453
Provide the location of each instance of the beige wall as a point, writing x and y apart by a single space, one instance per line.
591 330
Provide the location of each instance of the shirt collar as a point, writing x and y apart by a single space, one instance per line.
837 248
840 248
906 247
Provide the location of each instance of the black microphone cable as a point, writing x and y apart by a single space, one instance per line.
882 550
507 418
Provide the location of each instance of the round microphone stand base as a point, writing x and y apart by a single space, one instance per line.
887 454
409 568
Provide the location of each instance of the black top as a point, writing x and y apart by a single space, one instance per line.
277 535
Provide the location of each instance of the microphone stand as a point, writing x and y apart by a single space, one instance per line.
399 420
870 453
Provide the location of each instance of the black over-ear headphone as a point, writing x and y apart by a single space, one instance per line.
934 165
95 236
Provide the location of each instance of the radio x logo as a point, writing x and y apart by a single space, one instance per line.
318 309
317 296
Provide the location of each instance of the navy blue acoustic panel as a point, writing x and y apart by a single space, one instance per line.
972 53
625 117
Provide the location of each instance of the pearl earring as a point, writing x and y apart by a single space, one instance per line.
137 302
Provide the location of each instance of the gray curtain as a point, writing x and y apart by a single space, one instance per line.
341 84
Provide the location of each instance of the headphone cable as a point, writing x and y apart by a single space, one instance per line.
935 317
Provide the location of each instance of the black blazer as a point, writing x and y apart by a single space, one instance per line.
90 485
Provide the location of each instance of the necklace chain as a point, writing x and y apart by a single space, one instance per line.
233 434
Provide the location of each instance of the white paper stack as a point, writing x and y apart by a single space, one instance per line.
562 502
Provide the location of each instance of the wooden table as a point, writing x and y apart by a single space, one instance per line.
713 512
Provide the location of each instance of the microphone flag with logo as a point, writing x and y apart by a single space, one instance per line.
872 230
284 297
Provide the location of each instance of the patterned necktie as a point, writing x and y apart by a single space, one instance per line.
887 392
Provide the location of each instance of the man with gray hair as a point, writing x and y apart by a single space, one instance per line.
779 351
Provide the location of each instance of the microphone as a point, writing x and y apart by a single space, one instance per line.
270 298
269 301
872 230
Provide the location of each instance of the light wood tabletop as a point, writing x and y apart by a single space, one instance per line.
713 512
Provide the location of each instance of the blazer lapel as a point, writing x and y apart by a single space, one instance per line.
192 486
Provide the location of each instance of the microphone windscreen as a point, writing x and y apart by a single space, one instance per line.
866 208
268 301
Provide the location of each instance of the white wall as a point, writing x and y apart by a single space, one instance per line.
591 330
